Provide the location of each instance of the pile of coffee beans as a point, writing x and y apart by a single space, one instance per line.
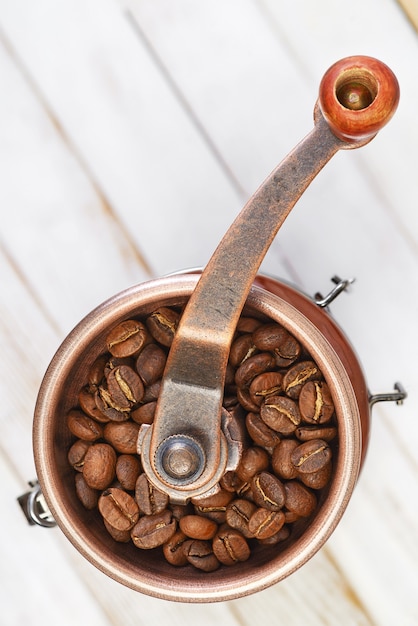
286 463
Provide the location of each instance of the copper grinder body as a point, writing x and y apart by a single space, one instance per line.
346 116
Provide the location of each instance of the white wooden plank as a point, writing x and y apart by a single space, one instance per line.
110 98
236 75
315 594
58 227
37 585
239 81
318 35
28 340
377 543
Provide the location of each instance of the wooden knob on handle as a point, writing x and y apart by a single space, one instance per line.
357 96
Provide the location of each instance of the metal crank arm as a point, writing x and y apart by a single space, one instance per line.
185 451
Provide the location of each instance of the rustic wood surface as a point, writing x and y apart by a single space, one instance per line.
131 134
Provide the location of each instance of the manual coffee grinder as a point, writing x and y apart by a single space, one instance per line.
193 441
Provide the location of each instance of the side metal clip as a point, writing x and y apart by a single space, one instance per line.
397 396
35 508
340 286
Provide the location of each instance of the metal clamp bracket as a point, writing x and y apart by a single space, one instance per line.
340 286
397 396
35 508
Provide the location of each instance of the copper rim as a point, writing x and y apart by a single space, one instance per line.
142 571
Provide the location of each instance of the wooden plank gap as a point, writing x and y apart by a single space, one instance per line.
197 123
387 206
16 472
293 47
22 278
411 9
91 584
348 590
103 200
236 613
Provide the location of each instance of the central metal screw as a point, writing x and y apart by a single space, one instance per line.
181 458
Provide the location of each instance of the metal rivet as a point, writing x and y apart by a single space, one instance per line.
181 458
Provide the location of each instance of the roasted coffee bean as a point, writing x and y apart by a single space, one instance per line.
230 546
238 514
268 491
241 349
248 324
118 508
290 516
281 459
278 537
200 554
127 338
244 398
115 362
299 499
264 385
76 454
245 491
261 434
173 549
275 338
281 414
152 392
144 414
162 324
128 468
198 527
318 479
298 375
288 352
315 402
150 363
99 467
108 407
180 510
125 387
88 405
150 500
96 372
122 536
311 456
253 461
306 433
230 482
269 336
264 523
83 427
214 507
252 367
88 497
122 436
152 531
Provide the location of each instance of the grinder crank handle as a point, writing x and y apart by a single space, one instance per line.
185 452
